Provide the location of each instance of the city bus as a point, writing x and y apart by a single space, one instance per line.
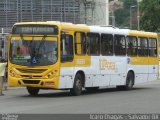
65 56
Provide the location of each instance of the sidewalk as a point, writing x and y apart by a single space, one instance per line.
5 87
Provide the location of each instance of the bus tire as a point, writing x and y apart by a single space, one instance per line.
77 86
129 81
33 91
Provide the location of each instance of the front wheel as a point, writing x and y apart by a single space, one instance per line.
32 91
77 86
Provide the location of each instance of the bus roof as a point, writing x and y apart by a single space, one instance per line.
62 25
109 30
98 29
143 34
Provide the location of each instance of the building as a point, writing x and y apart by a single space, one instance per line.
115 5
95 12
91 12
12 11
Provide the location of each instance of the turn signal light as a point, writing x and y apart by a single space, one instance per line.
49 83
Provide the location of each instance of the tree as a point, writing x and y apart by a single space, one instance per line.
150 15
123 14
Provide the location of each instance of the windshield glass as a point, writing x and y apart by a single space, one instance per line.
33 52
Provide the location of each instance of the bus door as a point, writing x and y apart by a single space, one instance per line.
67 62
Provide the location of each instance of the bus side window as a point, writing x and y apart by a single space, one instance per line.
142 46
131 45
80 43
119 45
93 44
106 44
152 47
66 48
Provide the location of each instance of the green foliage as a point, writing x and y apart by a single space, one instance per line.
122 19
128 3
123 14
150 15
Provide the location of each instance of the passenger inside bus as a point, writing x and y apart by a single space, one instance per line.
130 49
24 49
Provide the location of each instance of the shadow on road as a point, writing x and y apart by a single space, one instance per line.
66 93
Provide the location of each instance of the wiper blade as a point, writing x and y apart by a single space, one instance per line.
42 42
35 52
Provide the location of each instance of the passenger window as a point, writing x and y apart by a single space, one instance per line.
142 46
106 44
66 47
80 43
131 43
119 45
93 44
152 47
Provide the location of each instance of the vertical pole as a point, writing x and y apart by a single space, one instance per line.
42 7
51 10
130 17
21 10
1 85
85 16
113 18
138 17
32 9
17 12
6 14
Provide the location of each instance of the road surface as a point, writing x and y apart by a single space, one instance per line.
143 98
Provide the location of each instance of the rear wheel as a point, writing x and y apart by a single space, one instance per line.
33 91
129 81
77 87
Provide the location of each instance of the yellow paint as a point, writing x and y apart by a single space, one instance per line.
15 75
142 34
71 29
48 38
153 61
143 60
52 72
78 44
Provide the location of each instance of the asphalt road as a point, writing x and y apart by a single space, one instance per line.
143 98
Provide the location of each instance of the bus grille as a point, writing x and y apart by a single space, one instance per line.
31 70
31 81
33 76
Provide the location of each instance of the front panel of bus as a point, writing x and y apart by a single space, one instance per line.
34 56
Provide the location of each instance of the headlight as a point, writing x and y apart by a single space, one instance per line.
52 74
12 73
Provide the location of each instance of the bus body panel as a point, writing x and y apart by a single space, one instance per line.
145 68
99 71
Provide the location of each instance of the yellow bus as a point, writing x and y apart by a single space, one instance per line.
56 55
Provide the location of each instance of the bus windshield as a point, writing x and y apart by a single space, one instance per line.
33 52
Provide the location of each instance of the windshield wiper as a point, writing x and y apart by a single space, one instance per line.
42 42
35 52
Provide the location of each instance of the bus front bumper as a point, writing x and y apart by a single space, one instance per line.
39 83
